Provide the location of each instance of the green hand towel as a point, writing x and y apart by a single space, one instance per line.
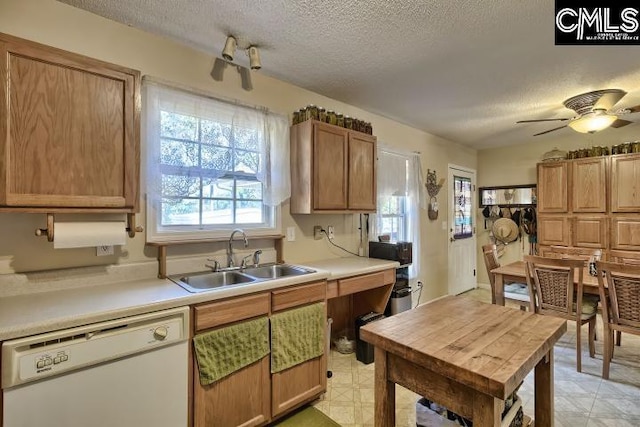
223 351
296 336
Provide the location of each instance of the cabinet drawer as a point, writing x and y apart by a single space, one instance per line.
220 313
332 289
298 295
366 281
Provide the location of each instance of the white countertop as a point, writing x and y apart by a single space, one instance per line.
339 268
29 314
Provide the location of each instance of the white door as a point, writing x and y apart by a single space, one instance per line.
462 229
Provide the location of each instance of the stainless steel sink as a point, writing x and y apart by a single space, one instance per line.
207 281
200 282
276 271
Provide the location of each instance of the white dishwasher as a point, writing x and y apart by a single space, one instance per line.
129 372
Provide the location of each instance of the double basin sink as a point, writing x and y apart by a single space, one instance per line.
201 282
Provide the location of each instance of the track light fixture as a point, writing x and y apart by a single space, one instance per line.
254 58
229 48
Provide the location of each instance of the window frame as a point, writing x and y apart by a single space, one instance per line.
158 232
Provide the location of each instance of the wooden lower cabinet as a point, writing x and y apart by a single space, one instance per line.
240 399
625 233
590 232
554 230
298 384
253 396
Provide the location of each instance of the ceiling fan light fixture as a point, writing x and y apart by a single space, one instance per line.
229 48
592 122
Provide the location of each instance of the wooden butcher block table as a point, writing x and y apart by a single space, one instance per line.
466 355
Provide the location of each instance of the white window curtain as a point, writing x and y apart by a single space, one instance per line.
400 175
271 131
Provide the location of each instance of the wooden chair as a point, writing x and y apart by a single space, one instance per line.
516 292
625 257
551 287
621 310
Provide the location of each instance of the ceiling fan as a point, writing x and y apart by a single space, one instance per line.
593 112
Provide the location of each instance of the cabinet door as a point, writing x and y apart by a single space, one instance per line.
305 381
329 167
240 399
244 397
554 230
552 187
590 232
362 172
71 139
589 185
625 233
625 183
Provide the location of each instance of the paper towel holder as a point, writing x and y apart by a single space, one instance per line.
131 227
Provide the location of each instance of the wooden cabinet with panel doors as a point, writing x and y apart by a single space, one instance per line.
603 203
69 134
333 169
253 395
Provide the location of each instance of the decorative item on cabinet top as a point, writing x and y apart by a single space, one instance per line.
312 112
433 188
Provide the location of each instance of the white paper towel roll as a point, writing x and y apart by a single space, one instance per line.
87 234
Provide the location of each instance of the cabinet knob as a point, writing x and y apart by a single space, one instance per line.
160 333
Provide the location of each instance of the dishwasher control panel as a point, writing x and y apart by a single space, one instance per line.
40 356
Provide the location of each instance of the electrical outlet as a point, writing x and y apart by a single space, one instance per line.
331 232
104 250
291 234
317 232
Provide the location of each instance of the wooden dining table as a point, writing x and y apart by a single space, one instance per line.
466 355
515 273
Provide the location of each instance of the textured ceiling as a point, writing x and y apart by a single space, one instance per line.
465 71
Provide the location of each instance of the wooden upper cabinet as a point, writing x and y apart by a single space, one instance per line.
553 179
333 169
625 183
590 232
69 130
625 233
589 182
330 167
362 171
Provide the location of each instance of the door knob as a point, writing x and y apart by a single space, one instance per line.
452 239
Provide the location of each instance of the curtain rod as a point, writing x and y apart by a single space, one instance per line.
199 92
398 152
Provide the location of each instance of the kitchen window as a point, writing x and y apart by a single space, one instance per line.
400 197
212 166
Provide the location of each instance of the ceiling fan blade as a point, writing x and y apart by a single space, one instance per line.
620 123
550 130
542 120
609 99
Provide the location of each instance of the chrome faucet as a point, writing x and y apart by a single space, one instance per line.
254 256
230 247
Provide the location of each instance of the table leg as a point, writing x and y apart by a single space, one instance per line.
487 411
497 296
385 392
544 410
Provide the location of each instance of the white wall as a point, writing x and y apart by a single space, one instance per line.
65 27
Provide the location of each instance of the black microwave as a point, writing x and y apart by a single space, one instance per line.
399 251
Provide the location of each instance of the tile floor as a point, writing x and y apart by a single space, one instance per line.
581 399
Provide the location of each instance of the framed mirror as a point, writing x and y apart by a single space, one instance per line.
508 195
